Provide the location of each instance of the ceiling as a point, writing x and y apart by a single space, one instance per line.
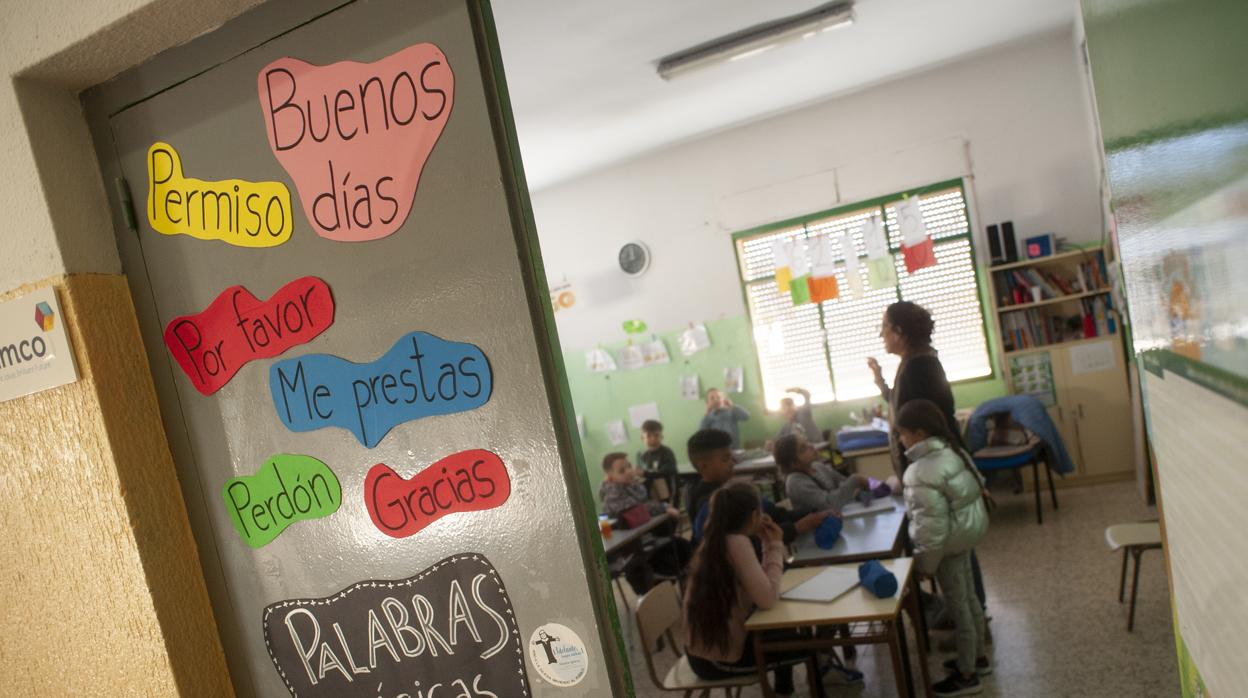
585 93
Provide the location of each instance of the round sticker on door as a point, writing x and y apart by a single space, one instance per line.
558 654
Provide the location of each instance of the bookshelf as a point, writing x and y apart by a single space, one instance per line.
1058 326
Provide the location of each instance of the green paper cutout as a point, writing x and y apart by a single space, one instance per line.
287 488
799 290
634 326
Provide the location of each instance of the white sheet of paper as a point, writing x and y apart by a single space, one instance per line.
852 276
640 413
874 238
799 258
910 221
690 388
655 352
734 379
631 358
875 507
616 433
825 586
1090 358
822 257
599 360
694 340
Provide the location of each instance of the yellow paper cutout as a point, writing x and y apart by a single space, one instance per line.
784 276
246 214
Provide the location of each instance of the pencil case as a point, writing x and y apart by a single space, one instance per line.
876 579
828 532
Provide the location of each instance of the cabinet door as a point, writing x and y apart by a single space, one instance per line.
1095 398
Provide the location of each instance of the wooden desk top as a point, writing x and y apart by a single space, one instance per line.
866 537
854 606
620 539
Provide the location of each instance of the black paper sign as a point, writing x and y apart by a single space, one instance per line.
448 632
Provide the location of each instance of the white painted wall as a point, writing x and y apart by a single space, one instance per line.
1021 110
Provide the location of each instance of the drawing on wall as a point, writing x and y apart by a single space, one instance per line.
690 388
473 480
881 269
452 624
379 122
422 375
287 488
734 379
637 414
558 655
694 340
616 433
631 357
1032 374
917 248
599 360
634 326
212 345
655 352
562 297
235 211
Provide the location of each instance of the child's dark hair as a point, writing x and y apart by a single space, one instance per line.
711 571
652 426
704 441
611 458
912 321
785 452
925 416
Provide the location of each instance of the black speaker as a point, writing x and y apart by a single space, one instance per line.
1007 240
994 244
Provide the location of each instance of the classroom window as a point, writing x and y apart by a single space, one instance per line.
823 346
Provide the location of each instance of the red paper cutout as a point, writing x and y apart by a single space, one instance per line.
823 289
236 327
473 480
920 256
354 137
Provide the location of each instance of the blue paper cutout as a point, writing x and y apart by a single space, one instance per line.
827 532
421 376
876 579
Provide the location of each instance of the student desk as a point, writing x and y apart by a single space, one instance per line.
868 537
762 468
873 462
875 621
621 541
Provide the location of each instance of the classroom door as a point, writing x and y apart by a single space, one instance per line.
343 305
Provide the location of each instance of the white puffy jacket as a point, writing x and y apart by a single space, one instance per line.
943 499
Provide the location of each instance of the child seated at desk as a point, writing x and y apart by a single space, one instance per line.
658 461
798 420
620 491
948 516
810 484
727 582
710 451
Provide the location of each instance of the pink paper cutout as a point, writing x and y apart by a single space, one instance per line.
355 137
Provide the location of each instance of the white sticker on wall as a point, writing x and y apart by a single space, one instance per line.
558 655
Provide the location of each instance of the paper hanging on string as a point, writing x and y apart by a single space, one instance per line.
690 388
631 358
881 268
599 360
799 265
694 340
782 265
916 245
616 433
853 277
822 283
655 352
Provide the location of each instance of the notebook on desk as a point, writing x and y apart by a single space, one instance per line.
825 586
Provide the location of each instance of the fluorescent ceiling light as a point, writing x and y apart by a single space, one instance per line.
757 39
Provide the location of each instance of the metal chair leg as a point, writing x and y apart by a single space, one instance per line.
1035 472
1052 490
1122 579
1135 585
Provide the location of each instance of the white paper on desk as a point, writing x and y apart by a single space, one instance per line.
825 586
875 507
1090 358
637 414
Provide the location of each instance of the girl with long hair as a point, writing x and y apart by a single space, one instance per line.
810 484
727 582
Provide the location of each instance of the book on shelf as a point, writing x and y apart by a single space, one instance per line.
1033 328
1014 286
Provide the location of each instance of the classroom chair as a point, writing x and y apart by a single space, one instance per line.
1011 457
1134 539
658 618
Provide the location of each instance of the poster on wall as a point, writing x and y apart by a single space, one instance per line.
734 379
35 353
639 414
690 388
654 352
1032 374
694 340
631 357
616 433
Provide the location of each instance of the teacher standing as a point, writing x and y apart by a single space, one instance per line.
907 332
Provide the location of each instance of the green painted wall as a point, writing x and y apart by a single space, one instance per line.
603 397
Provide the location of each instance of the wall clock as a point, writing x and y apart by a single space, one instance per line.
634 258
